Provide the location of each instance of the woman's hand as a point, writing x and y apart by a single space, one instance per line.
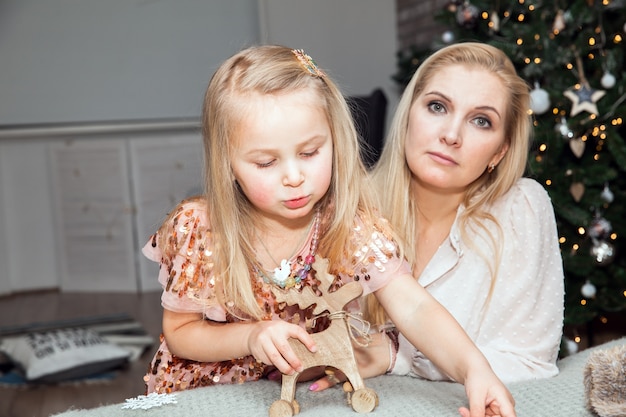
487 397
268 342
372 360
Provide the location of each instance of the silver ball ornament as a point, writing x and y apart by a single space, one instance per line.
608 80
447 37
607 194
599 228
588 290
539 100
564 129
467 15
570 346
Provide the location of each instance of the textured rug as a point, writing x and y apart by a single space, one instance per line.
399 396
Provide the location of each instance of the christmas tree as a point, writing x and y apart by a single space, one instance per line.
572 55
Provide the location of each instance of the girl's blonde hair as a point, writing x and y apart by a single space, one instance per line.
392 175
271 70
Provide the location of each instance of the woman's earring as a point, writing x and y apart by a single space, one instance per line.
491 167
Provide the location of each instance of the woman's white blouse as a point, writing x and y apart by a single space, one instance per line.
519 327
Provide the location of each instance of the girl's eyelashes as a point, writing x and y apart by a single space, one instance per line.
264 164
310 154
268 164
305 155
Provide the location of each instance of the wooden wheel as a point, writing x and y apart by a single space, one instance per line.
364 400
295 406
283 408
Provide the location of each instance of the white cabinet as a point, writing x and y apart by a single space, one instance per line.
93 215
104 196
165 171
5 277
28 257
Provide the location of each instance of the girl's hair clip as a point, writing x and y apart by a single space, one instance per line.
308 63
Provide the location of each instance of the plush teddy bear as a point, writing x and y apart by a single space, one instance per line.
605 381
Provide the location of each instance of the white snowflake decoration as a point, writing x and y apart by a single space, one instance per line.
145 402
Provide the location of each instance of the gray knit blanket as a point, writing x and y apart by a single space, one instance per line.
399 396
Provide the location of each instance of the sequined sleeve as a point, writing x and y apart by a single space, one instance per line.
183 248
375 257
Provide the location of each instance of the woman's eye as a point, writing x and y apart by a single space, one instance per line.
436 107
482 122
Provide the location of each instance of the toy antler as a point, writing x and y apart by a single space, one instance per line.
328 301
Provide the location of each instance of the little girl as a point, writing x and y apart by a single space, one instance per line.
284 183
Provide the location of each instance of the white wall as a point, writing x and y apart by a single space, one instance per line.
94 60
354 40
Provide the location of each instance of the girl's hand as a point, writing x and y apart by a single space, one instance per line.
372 360
268 341
487 397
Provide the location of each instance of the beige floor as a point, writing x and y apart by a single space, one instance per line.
50 305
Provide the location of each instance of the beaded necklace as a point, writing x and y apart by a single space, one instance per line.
288 274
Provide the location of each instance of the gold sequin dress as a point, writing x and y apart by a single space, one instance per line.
188 286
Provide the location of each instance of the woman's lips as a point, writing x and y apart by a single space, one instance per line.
442 158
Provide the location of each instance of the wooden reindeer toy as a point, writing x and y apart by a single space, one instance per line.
334 343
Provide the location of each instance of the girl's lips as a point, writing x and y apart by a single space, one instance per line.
297 203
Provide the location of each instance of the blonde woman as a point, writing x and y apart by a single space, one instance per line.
483 239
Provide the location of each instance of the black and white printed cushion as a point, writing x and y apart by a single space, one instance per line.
62 354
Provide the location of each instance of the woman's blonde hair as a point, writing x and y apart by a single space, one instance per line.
392 176
271 70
